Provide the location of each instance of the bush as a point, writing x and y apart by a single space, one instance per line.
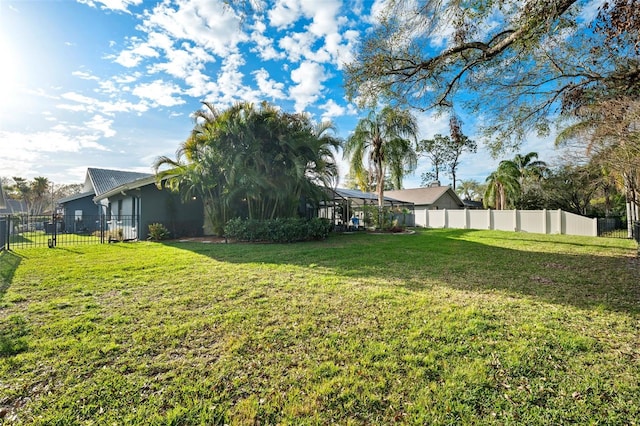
277 230
157 232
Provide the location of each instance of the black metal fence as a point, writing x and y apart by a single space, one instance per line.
613 227
20 231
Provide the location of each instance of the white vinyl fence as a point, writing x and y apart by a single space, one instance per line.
534 221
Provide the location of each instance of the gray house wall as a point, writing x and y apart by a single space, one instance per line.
182 219
446 201
87 222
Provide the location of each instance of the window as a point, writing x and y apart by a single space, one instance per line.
119 210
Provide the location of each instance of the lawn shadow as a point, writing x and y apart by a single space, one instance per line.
9 262
447 257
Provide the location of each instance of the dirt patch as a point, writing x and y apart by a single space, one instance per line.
204 240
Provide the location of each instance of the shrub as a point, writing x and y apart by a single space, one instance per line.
157 232
277 230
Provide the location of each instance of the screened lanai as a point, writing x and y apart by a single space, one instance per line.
351 209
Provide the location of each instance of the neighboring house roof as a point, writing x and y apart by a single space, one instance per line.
76 197
424 196
471 204
104 180
14 207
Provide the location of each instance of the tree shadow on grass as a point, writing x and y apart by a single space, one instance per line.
14 328
9 262
599 279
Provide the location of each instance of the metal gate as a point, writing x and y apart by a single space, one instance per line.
22 231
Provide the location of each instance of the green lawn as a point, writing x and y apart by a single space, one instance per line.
440 327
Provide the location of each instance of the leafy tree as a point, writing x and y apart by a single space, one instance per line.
571 188
511 61
386 140
437 151
459 143
606 131
445 151
35 193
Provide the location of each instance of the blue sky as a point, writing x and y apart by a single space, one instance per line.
113 83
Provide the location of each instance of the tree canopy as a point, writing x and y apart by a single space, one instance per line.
517 63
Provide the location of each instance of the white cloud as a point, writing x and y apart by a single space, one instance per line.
324 15
308 78
297 46
58 139
324 27
264 45
331 110
84 75
284 13
102 125
207 23
119 5
590 10
184 61
269 88
432 123
159 93
134 56
91 105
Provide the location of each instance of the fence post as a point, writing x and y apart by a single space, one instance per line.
561 229
9 232
489 217
3 233
515 220
595 227
545 222
446 219
466 218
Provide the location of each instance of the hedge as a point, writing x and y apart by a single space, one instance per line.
277 230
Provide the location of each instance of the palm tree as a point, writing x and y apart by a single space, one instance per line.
255 162
528 168
470 189
387 140
502 184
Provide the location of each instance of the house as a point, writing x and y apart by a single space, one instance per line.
428 198
80 212
133 206
126 203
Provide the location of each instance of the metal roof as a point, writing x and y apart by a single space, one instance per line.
14 207
104 180
75 197
356 194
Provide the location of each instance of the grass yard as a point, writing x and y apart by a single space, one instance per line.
440 327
